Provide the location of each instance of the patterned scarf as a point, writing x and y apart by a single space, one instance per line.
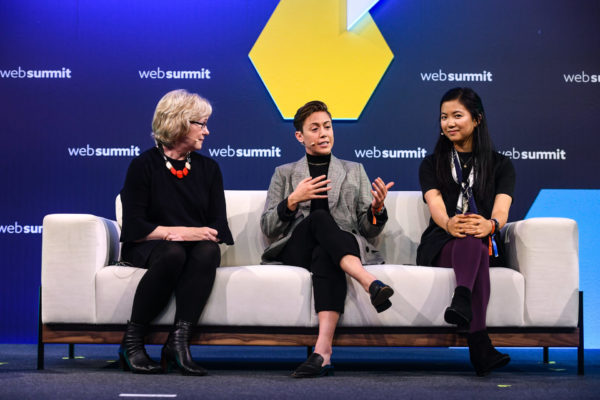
466 201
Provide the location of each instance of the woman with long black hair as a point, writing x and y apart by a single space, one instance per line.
468 188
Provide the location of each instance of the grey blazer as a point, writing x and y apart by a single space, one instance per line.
349 204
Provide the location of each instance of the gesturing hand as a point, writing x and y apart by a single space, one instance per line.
308 189
379 192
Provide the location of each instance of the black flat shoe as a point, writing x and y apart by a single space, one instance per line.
380 293
313 368
383 306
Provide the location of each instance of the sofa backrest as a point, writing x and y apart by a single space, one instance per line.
408 218
244 208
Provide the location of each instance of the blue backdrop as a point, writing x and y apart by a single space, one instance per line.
79 80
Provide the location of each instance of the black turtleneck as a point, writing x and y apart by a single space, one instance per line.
317 166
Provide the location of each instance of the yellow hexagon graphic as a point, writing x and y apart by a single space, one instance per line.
305 53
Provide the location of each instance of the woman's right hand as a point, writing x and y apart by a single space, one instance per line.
456 225
308 189
203 233
184 233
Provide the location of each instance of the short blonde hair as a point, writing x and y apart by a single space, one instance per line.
173 114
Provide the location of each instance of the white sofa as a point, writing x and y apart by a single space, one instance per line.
535 300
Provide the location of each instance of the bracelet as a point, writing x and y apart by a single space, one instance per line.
377 211
495 227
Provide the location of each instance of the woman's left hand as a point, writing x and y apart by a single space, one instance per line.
477 226
379 192
174 237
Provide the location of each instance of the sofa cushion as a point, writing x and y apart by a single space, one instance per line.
423 293
259 295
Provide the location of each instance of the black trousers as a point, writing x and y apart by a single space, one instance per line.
187 269
318 244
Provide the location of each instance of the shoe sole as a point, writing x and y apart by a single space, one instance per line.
383 306
452 316
498 364
168 365
382 295
126 366
322 373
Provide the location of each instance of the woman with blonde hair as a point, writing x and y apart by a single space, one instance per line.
174 216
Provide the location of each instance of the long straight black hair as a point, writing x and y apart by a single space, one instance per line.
483 147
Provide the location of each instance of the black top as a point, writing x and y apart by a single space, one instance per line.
152 196
317 166
434 238
466 162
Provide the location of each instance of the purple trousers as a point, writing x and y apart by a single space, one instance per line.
469 257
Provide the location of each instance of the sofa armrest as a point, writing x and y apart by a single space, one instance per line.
546 252
74 248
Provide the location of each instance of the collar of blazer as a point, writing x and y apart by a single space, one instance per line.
336 173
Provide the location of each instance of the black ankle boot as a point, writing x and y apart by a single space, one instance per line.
132 354
484 356
176 351
460 313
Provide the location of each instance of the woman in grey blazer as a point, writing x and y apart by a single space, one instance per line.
320 214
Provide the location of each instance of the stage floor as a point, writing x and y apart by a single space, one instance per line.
237 372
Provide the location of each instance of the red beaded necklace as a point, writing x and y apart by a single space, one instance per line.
180 173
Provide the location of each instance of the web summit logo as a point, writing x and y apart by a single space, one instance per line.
18 229
581 78
336 78
517 154
89 151
376 152
229 151
20 73
158 73
441 76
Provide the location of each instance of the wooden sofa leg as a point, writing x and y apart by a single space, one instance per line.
545 355
40 347
580 367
